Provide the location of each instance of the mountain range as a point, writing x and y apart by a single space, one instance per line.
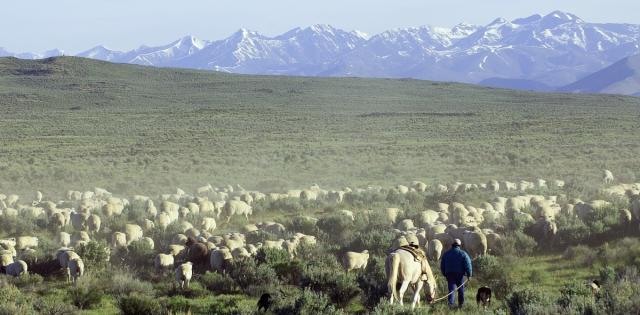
538 52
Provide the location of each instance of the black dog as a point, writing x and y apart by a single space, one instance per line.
265 302
484 296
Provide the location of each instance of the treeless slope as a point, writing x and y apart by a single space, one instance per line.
76 123
623 77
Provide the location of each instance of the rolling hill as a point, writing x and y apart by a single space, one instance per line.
72 122
515 84
623 77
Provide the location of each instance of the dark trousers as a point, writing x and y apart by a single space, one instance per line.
455 280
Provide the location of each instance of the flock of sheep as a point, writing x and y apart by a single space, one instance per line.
197 247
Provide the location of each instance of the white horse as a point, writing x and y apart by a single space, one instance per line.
400 266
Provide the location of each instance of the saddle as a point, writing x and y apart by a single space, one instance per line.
418 254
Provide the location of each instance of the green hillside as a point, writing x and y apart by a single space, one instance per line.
77 123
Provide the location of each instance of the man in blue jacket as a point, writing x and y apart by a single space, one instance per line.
455 264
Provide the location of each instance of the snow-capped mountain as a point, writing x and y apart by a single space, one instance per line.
161 56
298 52
554 50
535 52
102 53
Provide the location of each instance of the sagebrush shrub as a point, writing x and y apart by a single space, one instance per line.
526 301
219 283
339 228
621 297
225 306
138 254
53 305
28 281
95 255
571 229
584 255
9 293
373 282
291 205
86 294
272 256
340 287
607 275
13 301
126 283
376 239
309 302
178 305
303 225
139 304
577 297
516 244
494 274
247 273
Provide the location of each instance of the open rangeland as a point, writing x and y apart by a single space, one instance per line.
72 123
135 190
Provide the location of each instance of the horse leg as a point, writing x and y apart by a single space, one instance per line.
403 288
416 294
413 300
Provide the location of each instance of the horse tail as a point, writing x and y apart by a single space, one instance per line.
393 276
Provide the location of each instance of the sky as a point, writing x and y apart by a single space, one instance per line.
77 25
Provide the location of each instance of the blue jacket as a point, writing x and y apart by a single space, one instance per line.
456 260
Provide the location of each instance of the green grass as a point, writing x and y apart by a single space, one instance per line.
554 270
108 306
71 123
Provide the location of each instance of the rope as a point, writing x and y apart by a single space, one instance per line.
444 297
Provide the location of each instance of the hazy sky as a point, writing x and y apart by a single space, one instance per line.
76 25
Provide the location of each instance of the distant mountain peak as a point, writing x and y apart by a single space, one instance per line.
246 32
465 26
536 51
557 18
463 30
189 38
497 22
322 28
101 47
53 53
243 35
193 41
360 34
565 16
530 19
